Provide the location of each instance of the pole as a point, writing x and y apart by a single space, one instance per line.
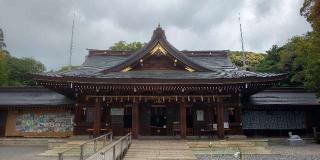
242 46
71 42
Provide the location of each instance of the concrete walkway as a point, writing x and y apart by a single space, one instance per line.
20 152
159 149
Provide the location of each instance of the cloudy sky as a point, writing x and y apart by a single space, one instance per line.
41 28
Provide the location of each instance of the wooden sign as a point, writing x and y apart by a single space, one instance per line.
117 111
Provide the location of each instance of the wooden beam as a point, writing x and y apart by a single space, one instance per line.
183 120
220 118
97 118
135 120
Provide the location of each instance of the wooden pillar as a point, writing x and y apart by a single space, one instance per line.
97 118
135 120
220 118
183 120
77 118
238 110
237 113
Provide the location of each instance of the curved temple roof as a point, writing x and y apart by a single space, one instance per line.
199 65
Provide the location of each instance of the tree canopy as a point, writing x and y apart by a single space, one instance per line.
124 46
311 10
300 56
252 59
66 68
270 62
18 71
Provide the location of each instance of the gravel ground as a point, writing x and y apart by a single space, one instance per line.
310 151
259 157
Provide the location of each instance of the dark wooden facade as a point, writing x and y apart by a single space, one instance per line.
142 115
273 112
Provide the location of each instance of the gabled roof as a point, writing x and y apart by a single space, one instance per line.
158 40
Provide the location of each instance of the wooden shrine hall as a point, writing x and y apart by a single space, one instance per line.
158 91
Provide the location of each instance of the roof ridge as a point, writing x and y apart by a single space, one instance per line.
158 38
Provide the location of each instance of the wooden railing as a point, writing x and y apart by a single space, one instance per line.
87 148
114 151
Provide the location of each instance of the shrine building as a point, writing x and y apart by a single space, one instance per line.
157 91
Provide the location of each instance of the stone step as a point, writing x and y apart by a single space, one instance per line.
154 153
159 149
162 158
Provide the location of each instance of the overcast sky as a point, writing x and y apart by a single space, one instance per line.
42 28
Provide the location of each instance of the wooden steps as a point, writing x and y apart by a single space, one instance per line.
160 150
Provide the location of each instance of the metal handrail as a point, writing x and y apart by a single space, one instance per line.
81 146
125 140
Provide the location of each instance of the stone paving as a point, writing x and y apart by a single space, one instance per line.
260 157
20 152
278 151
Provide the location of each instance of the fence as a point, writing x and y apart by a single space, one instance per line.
87 148
114 151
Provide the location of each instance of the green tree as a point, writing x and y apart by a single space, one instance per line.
3 68
20 71
270 63
252 59
124 46
294 58
312 66
66 68
311 11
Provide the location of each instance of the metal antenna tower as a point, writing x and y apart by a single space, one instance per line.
71 42
243 53
2 43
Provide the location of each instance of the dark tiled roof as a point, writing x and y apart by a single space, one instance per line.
161 74
31 96
219 65
94 64
213 62
283 96
208 64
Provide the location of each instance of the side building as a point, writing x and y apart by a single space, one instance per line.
35 112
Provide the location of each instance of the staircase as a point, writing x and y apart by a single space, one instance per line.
88 149
229 147
159 150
